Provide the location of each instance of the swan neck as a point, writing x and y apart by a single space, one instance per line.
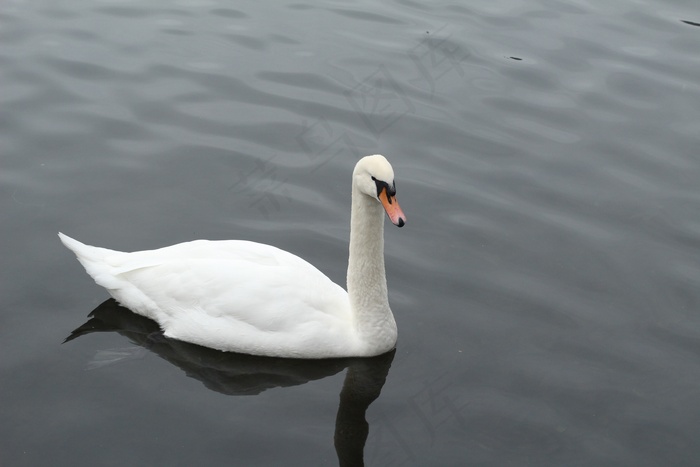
367 289
366 273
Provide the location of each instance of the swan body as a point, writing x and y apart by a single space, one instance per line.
247 297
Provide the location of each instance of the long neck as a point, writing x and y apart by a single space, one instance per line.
366 274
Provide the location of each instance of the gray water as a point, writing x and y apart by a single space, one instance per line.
546 285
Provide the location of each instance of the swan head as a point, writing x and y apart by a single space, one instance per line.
374 177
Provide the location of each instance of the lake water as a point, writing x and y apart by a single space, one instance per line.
546 285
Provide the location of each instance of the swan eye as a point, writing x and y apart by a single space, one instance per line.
381 185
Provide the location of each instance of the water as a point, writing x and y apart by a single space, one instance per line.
546 285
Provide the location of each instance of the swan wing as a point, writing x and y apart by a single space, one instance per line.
231 295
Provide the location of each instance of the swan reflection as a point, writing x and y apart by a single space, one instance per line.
238 374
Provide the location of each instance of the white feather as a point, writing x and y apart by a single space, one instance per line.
248 297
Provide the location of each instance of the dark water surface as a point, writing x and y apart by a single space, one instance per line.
546 286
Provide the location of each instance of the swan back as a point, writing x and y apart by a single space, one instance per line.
230 295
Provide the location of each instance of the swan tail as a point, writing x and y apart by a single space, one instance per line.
86 252
98 262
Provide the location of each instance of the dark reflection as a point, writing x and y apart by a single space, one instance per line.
238 374
692 23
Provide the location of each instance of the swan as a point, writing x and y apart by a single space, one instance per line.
252 298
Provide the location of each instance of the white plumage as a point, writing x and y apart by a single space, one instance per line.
247 297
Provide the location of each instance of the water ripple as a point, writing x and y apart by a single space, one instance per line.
546 284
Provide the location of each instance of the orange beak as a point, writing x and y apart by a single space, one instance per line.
392 208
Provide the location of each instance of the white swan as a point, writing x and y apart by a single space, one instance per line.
247 297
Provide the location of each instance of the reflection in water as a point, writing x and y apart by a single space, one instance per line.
238 374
